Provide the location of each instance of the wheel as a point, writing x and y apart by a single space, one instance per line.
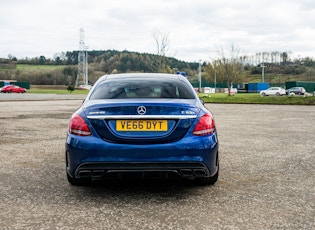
263 94
76 181
9 91
278 94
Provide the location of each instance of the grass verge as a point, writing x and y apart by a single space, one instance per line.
57 91
255 98
239 98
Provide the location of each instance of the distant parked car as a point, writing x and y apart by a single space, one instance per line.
12 89
296 91
273 91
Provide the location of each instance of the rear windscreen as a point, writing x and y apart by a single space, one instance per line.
140 88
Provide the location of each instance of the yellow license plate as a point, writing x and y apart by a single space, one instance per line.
141 125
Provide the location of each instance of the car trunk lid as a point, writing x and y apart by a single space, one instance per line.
141 121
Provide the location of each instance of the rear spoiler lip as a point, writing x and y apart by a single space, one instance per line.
128 117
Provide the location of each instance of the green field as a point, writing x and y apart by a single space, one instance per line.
240 98
255 98
56 91
26 68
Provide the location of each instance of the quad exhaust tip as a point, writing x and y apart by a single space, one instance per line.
199 172
193 172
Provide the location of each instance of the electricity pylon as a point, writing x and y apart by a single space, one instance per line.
82 76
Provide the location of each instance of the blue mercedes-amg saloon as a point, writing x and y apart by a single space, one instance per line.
142 125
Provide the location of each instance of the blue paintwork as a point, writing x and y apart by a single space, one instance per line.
189 148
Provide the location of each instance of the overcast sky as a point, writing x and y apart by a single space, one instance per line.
196 29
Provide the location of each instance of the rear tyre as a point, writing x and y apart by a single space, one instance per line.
76 181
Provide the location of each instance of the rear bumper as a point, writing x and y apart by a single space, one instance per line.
141 170
88 157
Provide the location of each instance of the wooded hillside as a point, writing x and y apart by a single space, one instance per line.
62 70
100 63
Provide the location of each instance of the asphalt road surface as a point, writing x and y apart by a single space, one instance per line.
267 174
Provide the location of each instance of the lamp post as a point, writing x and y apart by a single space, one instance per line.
86 80
199 76
215 80
263 72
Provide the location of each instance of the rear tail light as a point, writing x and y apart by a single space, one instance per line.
78 126
205 126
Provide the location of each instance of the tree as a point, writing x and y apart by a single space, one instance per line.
11 57
285 57
310 74
42 60
59 58
228 67
70 88
162 45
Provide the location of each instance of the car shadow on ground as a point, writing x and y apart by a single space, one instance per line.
139 189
